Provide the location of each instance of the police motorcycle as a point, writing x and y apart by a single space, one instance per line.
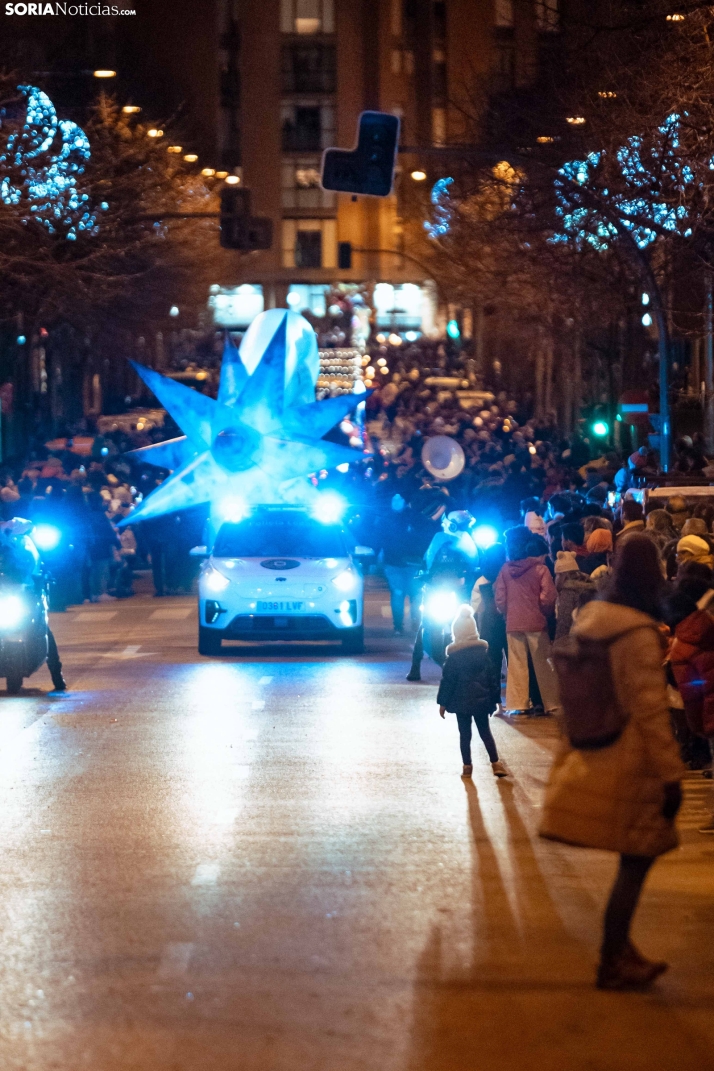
449 577
24 624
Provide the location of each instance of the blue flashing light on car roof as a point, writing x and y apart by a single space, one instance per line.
329 508
233 509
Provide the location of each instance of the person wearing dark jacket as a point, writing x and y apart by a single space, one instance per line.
102 545
404 539
470 688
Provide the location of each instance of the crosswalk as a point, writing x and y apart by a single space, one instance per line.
697 804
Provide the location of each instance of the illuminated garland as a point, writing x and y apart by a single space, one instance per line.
40 164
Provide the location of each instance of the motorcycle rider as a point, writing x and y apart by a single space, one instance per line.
452 557
20 562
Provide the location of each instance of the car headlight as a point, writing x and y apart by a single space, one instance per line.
442 606
215 581
46 536
13 610
345 580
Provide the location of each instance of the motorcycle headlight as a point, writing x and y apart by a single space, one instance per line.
215 581
345 580
13 610
441 606
46 536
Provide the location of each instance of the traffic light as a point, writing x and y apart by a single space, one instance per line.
367 169
601 428
240 230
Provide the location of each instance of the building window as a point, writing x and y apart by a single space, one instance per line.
505 67
547 15
308 68
307 16
396 18
439 23
439 85
503 15
309 243
307 127
301 185
438 125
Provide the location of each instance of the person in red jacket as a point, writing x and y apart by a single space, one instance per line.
525 594
692 660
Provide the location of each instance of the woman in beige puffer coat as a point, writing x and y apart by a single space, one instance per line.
624 797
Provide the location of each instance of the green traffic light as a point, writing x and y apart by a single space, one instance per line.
600 428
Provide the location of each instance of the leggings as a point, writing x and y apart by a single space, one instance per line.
484 731
622 903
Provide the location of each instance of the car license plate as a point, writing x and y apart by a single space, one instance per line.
280 607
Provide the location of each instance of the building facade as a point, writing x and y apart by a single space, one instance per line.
262 87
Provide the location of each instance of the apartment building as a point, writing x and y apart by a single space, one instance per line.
263 86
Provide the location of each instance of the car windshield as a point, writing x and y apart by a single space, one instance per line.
280 536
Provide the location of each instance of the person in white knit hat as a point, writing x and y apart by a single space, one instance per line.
470 688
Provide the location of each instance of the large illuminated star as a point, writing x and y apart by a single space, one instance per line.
261 437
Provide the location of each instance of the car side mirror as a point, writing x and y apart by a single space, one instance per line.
363 552
198 552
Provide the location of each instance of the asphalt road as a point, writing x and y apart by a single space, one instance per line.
269 861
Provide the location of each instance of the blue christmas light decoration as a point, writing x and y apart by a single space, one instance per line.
260 438
443 210
40 163
643 169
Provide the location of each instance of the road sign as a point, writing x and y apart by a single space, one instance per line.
368 169
635 407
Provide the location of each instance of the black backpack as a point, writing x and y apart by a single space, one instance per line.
593 716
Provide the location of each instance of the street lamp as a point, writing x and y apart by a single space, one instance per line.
131 109
232 180
190 157
105 74
418 175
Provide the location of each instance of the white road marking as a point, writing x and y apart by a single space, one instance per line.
258 704
386 610
206 874
227 816
178 614
96 616
265 680
132 651
175 960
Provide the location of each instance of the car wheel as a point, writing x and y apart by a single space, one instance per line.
14 684
353 640
209 641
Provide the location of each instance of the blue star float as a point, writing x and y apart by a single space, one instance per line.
259 440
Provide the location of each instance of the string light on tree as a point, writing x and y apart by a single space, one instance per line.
40 163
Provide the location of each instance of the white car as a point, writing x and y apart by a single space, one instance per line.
280 574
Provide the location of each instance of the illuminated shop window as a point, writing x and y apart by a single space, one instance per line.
399 307
307 16
235 306
308 296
